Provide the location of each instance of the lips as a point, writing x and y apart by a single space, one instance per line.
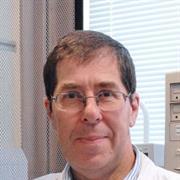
91 139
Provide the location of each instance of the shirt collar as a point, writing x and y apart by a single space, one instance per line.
66 174
133 174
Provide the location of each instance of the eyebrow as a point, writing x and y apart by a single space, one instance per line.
104 84
107 84
68 86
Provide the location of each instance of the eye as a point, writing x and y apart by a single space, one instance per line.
72 95
106 94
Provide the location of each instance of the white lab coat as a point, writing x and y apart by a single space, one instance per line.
148 171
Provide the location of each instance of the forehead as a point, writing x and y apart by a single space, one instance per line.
101 69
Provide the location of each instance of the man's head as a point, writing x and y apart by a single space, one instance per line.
81 46
90 86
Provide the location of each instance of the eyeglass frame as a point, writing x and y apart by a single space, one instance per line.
84 98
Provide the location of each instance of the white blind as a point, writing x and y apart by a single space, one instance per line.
150 29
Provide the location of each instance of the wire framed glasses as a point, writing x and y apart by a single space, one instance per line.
74 101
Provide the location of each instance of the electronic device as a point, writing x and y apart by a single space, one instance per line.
172 136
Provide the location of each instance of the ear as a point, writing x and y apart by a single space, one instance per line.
47 106
134 109
49 112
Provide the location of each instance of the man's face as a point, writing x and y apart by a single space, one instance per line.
93 138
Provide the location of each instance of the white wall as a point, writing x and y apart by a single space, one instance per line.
10 99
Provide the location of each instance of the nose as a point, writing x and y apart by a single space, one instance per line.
91 113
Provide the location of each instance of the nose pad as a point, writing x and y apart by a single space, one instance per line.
92 112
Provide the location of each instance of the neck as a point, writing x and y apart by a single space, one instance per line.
118 172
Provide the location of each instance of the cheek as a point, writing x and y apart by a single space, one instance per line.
63 126
118 122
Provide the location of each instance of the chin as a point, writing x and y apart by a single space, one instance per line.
91 162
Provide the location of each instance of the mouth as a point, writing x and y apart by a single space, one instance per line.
91 139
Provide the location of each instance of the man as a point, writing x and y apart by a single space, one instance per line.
92 102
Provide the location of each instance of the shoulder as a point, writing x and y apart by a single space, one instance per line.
54 176
150 171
